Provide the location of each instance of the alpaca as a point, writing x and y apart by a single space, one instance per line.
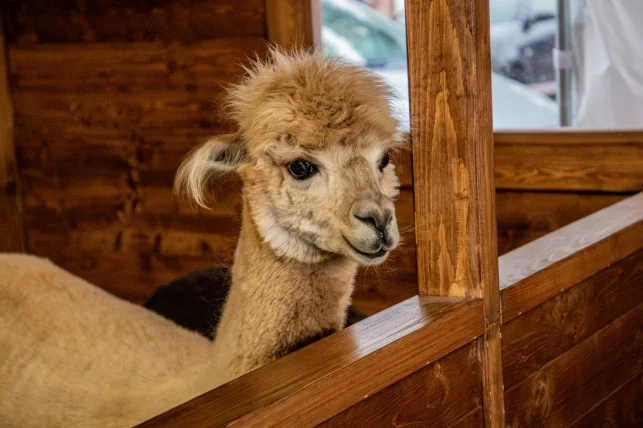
312 152
195 301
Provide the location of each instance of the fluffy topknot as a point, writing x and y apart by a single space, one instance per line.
313 99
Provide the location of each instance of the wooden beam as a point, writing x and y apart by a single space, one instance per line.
294 24
573 161
12 236
452 132
539 270
309 386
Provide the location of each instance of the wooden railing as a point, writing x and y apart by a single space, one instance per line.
359 366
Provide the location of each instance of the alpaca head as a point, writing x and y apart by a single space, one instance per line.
312 149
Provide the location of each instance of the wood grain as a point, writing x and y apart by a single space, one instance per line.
541 334
434 396
526 216
572 161
42 21
547 266
319 381
294 24
452 134
622 408
565 388
12 237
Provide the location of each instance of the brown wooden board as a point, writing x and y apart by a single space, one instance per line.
570 161
535 272
453 173
435 396
622 408
327 377
11 227
567 387
526 216
43 21
577 161
538 336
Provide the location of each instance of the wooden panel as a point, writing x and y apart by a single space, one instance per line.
43 21
129 68
452 135
12 237
526 216
565 388
540 335
622 408
329 376
294 23
603 161
586 161
435 396
543 268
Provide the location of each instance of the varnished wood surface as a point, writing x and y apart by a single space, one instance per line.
572 161
562 391
435 396
538 336
622 408
526 216
319 381
453 172
543 268
446 139
44 21
12 237
294 24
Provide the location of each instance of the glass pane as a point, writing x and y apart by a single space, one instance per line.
578 63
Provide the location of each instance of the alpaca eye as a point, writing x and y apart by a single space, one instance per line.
301 169
385 161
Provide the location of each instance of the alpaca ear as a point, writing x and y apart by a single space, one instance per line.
219 156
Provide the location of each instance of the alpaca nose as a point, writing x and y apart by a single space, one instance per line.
374 215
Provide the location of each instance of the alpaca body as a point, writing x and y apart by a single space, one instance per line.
74 355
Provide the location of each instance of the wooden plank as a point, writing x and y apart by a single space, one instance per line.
569 136
12 234
42 21
526 216
564 389
587 161
543 268
452 133
541 334
131 68
557 166
323 379
622 408
434 396
294 24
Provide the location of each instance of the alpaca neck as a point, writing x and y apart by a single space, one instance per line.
275 303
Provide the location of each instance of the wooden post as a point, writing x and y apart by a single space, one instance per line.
294 23
12 237
451 123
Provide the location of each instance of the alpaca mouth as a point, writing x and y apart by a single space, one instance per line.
371 256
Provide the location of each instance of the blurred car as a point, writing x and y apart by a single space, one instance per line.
365 37
523 34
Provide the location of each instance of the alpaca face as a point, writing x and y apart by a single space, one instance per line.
312 150
309 204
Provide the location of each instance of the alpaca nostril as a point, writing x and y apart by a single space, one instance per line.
368 220
379 226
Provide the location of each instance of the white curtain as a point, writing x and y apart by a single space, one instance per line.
608 56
